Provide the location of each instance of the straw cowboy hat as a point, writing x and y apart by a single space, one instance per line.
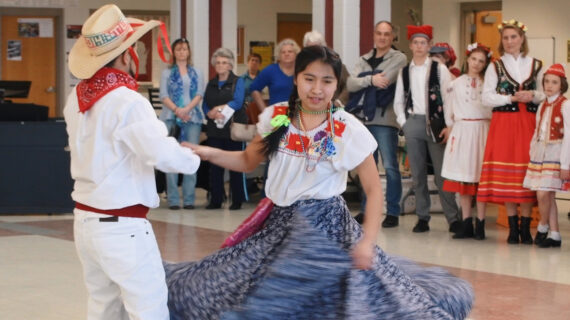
104 36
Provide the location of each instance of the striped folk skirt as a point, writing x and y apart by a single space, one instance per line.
543 171
506 158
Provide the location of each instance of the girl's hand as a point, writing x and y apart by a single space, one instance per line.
445 132
564 174
203 152
362 254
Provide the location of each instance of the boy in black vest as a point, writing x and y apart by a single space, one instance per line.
418 104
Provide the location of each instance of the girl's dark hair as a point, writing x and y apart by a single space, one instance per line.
173 46
307 56
563 84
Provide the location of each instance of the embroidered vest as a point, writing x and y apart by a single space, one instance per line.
434 100
555 124
215 96
506 85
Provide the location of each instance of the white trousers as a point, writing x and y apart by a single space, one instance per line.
122 268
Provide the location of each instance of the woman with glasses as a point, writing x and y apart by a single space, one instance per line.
223 97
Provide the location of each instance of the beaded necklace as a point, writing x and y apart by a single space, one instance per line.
312 160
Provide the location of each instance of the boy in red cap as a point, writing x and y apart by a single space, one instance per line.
549 167
418 104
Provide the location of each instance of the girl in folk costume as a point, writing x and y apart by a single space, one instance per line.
549 166
512 89
311 259
469 120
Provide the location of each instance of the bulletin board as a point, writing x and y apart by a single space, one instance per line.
264 49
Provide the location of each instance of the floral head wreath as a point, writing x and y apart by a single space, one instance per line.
513 23
477 45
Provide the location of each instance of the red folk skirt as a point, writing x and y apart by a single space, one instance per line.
506 158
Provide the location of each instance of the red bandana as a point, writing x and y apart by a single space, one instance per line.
102 82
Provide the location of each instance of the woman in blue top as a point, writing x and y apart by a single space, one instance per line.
223 100
278 77
181 91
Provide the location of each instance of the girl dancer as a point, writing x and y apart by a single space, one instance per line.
311 260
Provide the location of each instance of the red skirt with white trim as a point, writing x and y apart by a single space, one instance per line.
463 188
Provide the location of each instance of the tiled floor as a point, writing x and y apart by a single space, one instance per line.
40 275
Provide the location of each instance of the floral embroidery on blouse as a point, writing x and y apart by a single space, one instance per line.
321 144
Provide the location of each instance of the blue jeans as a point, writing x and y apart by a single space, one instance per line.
387 139
192 135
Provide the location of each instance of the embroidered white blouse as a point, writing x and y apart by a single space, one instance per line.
290 178
464 101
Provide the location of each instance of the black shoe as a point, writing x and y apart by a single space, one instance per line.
549 242
421 226
235 206
359 217
479 229
174 207
526 237
465 229
540 237
513 230
390 221
455 226
189 206
211 206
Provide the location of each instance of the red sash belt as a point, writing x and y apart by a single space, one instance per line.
136 211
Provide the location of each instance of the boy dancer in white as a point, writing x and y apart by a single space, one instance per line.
115 141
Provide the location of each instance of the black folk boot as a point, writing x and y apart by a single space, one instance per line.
513 230
466 230
526 237
479 229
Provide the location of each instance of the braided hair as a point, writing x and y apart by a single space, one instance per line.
307 56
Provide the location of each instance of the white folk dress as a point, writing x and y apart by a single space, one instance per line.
469 120
546 159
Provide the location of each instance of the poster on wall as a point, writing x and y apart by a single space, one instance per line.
14 50
35 27
144 51
73 31
264 49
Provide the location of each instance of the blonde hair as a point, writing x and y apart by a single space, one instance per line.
524 46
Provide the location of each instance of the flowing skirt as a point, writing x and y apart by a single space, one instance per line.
299 267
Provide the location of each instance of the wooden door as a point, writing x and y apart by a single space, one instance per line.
487 33
34 39
293 29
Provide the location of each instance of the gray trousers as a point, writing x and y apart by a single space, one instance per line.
418 145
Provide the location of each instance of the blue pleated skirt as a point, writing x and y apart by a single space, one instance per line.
299 267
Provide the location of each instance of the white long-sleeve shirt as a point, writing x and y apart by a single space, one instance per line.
520 70
114 147
418 85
